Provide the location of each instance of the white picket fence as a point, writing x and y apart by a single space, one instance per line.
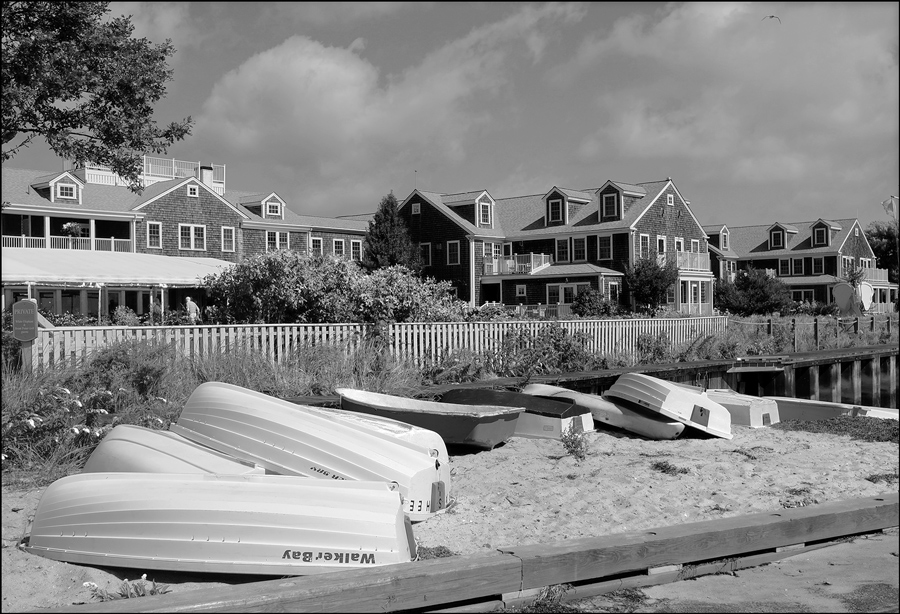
418 342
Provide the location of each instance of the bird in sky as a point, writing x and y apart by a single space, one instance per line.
771 17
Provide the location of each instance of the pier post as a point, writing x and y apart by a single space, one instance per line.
789 386
816 339
875 381
856 380
836 382
892 381
814 382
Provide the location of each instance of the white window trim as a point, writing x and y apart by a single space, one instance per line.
610 286
481 210
802 267
724 240
670 200
665 244
428 252
640 253
679 244
520 290
334 244
507 250
561 291
821 266
695 243
233 238
824 239
458 253
312 243
192 248
278 244
803 294
607 198
193 190
780 235
356 242
599 252
572 255
60 186
550 204
158 225
556 243
278 211
784 264
416 208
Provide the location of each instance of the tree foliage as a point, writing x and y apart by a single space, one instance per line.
754 292
592 304
387 241
84 85
289 287
648 281
882 237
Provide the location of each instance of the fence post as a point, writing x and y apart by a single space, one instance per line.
769 327
816 332
794 330
856 325
872 324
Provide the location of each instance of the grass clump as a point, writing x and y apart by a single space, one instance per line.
128 589
862 428
423 553
668 468
574 441
549 600
875 478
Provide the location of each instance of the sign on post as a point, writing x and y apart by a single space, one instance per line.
25 320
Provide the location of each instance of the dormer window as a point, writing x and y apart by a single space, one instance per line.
66 190
485 214
724 240
776 239
609 205
556 210
821 236
193 191
273 208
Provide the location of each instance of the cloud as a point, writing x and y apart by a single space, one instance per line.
331 13
327 119
158 21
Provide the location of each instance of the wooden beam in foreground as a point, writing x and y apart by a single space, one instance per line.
426 585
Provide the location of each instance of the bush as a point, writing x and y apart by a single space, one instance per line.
125 316
653 348
592 304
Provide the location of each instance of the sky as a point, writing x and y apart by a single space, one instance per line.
757 119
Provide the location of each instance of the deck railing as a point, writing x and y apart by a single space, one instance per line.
420 343
107 244
522 264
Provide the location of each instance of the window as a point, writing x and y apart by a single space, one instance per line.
660 244
614 292
562 250
604 248
865 263
846 264
802 295
193 191
507 250
276 240
273 208
670 200
191 237
776 239
796 266
337 247
856 232
425 253
520 290
821 238
644 246
565 293
724 240
703 292
498 250
670 294
227 238
579 248
556 210
452 252
695 246
65 190
609 205
416 208
356 251
315 246
818 266
485 214
784 267
679 244
154 235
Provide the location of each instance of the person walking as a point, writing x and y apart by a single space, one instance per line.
193 310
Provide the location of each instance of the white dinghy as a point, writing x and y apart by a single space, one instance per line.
284 439
691 407
235 524
745 409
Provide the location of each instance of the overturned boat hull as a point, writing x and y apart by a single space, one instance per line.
617 414
136 449
284 439
745 409
481 426
807 409
543 418
249 524
691 407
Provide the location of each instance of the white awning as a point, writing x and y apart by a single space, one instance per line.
83 268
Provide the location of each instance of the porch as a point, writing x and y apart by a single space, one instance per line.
26 231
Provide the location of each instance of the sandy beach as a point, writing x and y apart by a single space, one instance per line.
531 491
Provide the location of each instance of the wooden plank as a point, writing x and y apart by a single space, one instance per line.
582 559
422 584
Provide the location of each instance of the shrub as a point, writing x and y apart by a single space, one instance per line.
574 441
649 282
125 316
592 304
653 348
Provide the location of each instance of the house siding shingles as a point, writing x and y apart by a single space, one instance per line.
670 221
432 226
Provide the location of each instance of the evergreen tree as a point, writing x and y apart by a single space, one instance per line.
387 240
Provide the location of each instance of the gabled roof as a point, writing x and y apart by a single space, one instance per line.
577 195
463 198
829 223
714 228
751 242
628 188
161 188
16 188
45 180
787 227
436 200
574 268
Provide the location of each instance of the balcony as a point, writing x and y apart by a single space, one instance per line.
155 170
110 244
872 274
517 264
686 261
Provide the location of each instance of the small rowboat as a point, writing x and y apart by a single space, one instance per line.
745 409
543 418
615 413
137 449
481 426
287 440
234 524
691 407
790 408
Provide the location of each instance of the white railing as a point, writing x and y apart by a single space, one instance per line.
872 274
23 241
693 261
70 243
154 169
517 263
417 342
113 245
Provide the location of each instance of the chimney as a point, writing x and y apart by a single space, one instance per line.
206 175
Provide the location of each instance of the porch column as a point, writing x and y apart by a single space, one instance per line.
152 292
47 231
93 233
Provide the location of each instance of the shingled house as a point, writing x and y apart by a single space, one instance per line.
542 250
184 212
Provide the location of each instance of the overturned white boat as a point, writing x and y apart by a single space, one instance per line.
745 409
136 449
691 407
235 524
790 408
287 440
